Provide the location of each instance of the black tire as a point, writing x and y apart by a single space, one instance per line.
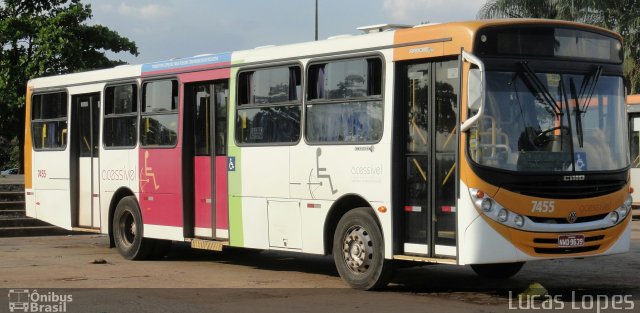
160 248
128 232
497 270
358 251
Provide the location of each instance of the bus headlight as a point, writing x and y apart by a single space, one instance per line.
493 210
628 203
518 220
503 215
486 204
621 212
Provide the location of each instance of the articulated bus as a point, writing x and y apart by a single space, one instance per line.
633 109
484 143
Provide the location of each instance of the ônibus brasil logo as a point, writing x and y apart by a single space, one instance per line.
24 300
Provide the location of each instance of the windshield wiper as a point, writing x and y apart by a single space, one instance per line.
574 96
588 86
534 84
586 92
565 100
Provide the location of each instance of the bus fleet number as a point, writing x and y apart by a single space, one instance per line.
543 206
42 173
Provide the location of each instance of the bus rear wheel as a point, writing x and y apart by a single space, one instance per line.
128 231
497 270
358 251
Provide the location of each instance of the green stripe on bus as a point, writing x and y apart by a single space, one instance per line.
236 230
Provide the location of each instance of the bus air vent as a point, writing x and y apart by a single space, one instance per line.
566 250
378 28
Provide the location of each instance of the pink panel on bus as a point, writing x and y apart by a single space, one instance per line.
160 186
202 174
160 169
222 213
205 75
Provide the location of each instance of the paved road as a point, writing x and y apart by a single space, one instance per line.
12 179
244 280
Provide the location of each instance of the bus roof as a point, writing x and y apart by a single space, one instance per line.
121 72
460 34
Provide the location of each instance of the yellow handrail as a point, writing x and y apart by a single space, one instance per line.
44 134
63 136
422 172
424 139
446 142
448 174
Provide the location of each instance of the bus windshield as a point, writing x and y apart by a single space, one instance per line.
551 122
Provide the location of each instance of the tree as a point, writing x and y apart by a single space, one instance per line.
43 38
621 16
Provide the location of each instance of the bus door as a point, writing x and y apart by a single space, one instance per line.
429 115
207 104
85 160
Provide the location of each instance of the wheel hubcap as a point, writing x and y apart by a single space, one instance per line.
128 228
357 249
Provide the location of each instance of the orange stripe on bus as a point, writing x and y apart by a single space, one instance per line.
28 146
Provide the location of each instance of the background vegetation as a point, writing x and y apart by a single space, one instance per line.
43 38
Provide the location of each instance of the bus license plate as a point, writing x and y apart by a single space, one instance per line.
570 241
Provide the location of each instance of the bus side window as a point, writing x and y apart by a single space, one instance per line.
159 115
120 116
269 102
49 121
345 101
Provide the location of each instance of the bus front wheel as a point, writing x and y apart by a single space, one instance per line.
128 231
358 251
497 270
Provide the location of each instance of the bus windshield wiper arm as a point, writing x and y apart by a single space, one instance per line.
587 88
574 97
534 84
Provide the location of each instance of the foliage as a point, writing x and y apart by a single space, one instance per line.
621 16
43 38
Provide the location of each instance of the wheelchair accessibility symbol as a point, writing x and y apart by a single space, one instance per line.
581 161
315 176
231 164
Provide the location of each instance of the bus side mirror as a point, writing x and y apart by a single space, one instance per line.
475 89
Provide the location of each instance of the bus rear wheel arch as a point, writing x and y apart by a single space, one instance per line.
358 251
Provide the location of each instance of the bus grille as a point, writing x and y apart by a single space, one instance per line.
582 219
566 190
566 250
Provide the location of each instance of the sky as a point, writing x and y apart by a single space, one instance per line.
166 29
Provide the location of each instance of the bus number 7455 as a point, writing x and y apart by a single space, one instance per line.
543 206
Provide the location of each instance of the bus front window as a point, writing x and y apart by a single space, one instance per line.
551 122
